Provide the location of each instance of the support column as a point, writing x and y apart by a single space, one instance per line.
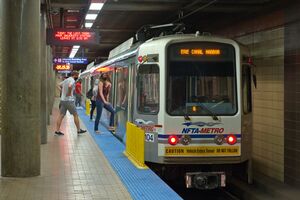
44 81
49 77
48 84
21 139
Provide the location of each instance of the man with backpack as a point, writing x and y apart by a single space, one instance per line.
67 102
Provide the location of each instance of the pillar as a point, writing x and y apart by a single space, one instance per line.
20 155
44 80
49 78
3 61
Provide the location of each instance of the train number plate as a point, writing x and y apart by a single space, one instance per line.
149 137
203 151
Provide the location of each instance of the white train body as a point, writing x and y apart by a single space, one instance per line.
192 96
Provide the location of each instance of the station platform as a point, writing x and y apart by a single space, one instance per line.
86 166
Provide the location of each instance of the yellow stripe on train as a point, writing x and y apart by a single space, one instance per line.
203 151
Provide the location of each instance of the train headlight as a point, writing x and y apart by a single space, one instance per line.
219 139
231 139
173 140
185 140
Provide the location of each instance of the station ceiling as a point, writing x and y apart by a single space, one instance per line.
120 19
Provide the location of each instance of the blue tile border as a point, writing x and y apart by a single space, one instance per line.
141 184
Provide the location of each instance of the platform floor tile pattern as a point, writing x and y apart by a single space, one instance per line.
73 167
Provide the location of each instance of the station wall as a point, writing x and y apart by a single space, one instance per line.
264 36
273 39
292 95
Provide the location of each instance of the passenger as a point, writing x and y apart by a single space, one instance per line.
104 87
93 99
67 102
78 93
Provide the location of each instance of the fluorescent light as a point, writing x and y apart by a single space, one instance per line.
73 11
88 25
96 6
74 51
72 54
91 16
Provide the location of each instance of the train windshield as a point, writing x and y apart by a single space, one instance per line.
201 79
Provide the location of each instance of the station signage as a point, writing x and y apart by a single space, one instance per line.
70 60
69 37
62 67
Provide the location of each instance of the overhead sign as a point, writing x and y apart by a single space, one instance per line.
70 60
69 37
62 67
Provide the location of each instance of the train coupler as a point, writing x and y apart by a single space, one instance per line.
205 180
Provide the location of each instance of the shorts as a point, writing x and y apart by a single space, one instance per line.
67 105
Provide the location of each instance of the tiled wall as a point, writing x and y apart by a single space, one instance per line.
267 49
292 96
264 35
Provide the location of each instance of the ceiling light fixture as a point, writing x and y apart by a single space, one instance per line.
96 6
74 51
88 25
91 16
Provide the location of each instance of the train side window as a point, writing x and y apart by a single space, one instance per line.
148 89
246 89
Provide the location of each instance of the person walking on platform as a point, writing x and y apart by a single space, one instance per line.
102 97
67 102
78 93
93 99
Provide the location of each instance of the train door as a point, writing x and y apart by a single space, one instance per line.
121 100
131 91
147 95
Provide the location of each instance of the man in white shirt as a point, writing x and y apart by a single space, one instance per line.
67 102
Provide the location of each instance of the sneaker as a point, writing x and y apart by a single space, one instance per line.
59 133
81 131
111 128
97 132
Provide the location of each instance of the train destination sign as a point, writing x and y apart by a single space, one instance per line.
200 52
70 60
63 37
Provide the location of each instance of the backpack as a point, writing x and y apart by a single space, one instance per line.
95 91
89 94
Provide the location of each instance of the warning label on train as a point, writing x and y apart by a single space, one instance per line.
203 151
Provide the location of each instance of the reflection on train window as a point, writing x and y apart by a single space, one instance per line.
148 89
201 88
122 85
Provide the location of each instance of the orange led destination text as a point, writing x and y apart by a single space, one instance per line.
200 52
62 67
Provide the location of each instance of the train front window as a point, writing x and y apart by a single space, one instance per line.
148 89
201 85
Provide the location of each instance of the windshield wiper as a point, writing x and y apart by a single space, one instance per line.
212 114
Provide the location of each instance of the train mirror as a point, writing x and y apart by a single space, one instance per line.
254 80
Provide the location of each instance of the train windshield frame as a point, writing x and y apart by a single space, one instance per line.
201 79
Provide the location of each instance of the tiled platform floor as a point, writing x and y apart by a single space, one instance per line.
73 167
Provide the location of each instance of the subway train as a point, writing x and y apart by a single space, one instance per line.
192 94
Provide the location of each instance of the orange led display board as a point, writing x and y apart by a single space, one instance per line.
200 52
69 37
62 67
